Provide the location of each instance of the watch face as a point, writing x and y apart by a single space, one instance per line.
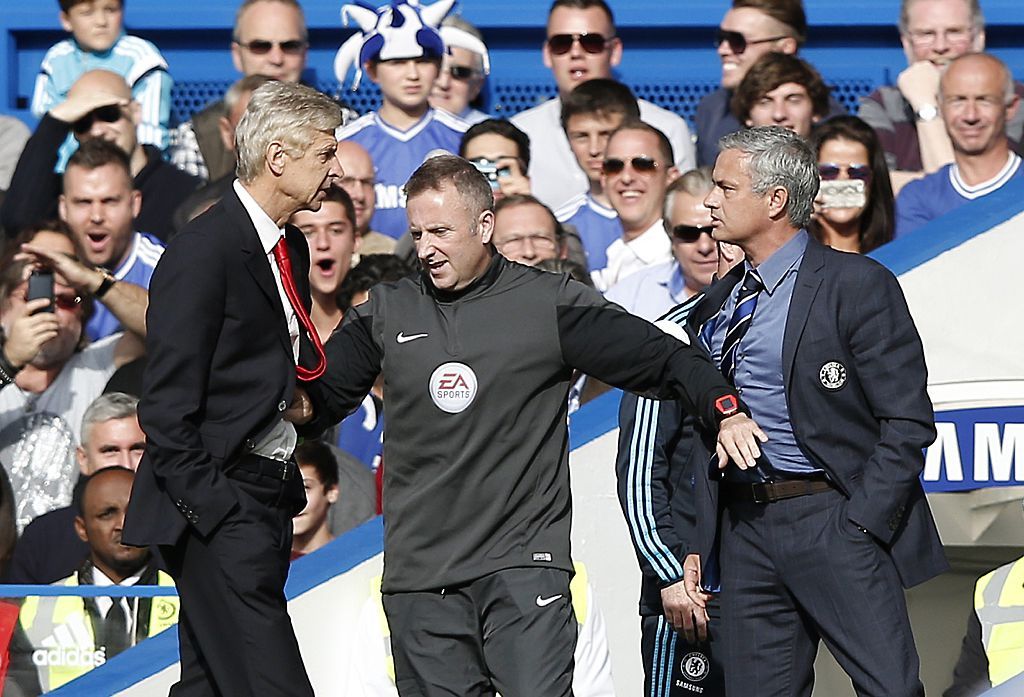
726 405
927 112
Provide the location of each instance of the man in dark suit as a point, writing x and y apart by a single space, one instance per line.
817 540
229 331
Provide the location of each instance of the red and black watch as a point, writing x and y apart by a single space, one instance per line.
725 406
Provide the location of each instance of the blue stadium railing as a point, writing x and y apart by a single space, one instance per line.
668 59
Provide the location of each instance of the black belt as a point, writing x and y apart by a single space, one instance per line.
769 492
266 467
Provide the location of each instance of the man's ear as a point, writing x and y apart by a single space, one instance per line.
275 157
136 197
778 202
332 494
134 112
227 133
80 529
787 45
236 56
485 226
81 459
672 173
615 46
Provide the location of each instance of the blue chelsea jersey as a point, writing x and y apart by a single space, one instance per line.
138 269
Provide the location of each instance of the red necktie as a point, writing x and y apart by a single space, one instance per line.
284 264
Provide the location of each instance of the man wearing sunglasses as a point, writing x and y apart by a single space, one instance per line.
49 372
636 172
269 38
653 291
977 99
464 68
581 45
749 30
99 106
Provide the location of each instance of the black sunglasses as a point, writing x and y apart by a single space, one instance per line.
106 114
261 47
737 42
829 171
462 72
560 44
690 233
614 165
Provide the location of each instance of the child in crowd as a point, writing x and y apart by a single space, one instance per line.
311 528
590 114
98 40
401 50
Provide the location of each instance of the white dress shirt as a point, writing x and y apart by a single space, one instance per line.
650 247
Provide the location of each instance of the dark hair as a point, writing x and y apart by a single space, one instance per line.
773 70
602 97
788 12
66 5
664 144
95 153
877 222
503 128
11 270
528 200
450 170
583 5
371 270
315 453
338 195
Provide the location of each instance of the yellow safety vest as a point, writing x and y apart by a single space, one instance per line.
61 634
577 589
999 604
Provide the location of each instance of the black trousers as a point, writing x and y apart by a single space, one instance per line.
512 631
797 572
234 633
673 667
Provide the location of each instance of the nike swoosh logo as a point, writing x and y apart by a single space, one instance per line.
402 338
544 602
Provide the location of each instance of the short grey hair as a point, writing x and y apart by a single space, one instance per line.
777 156
697 183
245 85
973 6
106 407
282 112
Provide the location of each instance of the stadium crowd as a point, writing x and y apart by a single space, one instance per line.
594 183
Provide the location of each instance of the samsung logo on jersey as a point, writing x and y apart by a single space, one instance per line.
389 196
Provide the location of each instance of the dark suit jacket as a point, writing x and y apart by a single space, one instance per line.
219 372
870 432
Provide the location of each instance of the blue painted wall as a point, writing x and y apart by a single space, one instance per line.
668 56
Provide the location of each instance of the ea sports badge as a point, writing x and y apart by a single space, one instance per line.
453 387
832 375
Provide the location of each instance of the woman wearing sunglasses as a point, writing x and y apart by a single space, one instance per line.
854 208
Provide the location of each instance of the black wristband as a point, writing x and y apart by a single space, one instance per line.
7 371
107 283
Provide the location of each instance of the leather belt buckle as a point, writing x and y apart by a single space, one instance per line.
763 492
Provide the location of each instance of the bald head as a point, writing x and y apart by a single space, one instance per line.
101 82
977 98
984 65
358 181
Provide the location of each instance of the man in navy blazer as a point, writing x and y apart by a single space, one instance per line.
218 486
818 540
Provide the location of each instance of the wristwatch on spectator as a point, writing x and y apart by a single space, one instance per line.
7 369
106 284
927 112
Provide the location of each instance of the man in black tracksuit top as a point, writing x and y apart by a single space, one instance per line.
477 354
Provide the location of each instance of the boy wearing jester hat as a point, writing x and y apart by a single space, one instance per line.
400 49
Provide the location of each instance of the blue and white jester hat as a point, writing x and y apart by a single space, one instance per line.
401 29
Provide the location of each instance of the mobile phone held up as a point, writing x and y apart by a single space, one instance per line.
843 193
40 285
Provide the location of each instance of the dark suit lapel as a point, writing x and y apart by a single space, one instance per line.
256 262
808 280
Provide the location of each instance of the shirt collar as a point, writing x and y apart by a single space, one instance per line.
266 228
773 269
101 579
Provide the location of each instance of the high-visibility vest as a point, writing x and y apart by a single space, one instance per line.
61 635
999 604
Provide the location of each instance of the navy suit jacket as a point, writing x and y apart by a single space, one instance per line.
219 373
867 424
